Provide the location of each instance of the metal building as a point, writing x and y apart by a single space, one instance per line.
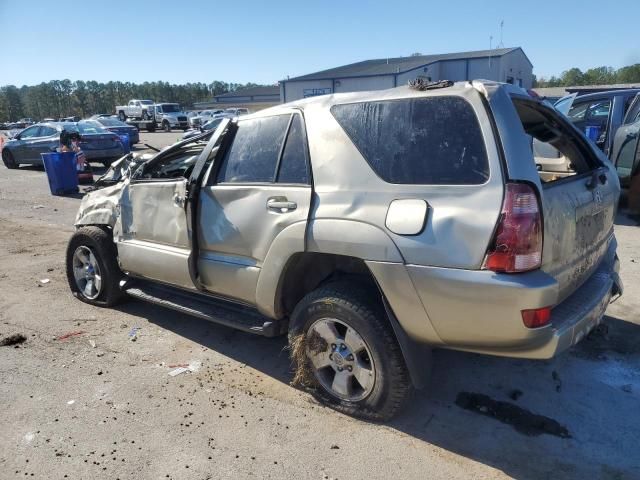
509 65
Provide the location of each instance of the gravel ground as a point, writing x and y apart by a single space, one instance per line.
86 397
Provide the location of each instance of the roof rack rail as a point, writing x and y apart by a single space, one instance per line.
422 84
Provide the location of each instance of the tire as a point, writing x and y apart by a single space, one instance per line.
99 243
151 127
9 161
166 126
376 357
122 116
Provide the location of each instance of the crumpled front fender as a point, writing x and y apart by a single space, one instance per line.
100 207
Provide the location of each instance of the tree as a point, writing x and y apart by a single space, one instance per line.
630 74
573 76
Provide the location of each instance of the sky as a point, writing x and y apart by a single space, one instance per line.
266 41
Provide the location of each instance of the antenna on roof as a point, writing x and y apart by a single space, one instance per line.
490 47
501 44
387 61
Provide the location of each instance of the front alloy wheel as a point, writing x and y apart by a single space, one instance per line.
86 272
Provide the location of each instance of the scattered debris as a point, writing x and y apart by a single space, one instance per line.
335 447
193 366
44 281
70 334
303 375
627 388
92 343
515 394
15 339
522 420
38 207
50 269
133 333
178 365
71 402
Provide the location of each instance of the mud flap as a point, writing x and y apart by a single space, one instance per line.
417 356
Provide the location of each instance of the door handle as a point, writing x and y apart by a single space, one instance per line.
281 205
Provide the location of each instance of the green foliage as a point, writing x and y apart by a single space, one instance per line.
64 98
593 76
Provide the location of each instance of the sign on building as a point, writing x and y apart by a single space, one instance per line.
314 92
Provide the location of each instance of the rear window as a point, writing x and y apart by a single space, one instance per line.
433 140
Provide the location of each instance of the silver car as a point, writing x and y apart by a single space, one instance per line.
370 227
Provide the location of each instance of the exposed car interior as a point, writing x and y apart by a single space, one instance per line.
555 151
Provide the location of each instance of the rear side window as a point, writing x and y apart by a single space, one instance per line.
434 140
255 150
293 165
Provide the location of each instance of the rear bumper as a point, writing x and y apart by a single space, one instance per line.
480 311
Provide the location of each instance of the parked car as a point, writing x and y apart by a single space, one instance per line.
370 227
26 121
102 115
170 115
601 112
236 112
116 126
625 154
203 117
210 125
25 148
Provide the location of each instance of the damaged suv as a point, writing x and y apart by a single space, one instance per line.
370 227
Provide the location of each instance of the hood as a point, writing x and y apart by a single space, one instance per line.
175 114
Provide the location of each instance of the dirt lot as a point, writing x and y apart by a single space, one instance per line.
88 394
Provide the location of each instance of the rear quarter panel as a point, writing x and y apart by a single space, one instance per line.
460 218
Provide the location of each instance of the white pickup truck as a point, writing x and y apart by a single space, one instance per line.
136 109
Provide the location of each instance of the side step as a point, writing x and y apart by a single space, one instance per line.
202 306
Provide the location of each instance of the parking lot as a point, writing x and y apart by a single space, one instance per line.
89 395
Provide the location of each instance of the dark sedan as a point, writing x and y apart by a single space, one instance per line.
116 126
97 143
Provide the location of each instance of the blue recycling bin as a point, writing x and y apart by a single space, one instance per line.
592 132
61 171
124 139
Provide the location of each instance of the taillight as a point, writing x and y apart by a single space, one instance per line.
536 318
517 244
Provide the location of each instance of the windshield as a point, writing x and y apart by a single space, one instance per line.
564 104
84 127
112 122
146 102
170 107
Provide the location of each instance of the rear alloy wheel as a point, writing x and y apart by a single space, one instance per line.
346 368
166 126
343 348
9 161
92 268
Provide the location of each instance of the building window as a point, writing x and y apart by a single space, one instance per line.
510 79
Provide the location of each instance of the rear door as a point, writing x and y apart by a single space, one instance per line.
626 144
262 187
593 117
578 206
